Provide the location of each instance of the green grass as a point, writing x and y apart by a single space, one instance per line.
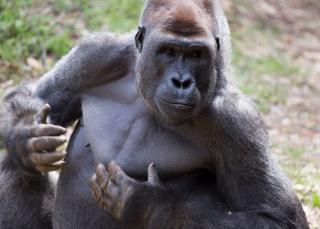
38 29
315 200
117 15
29 28
306 176
257 72
24 32
295 153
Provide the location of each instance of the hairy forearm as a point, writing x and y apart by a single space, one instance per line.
248 178
25 194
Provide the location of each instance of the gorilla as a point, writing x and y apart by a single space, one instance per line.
163 139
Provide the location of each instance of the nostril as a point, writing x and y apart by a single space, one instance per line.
186 84
176 83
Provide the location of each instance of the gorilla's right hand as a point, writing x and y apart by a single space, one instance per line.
32 146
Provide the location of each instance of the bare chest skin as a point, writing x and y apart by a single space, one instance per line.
120 128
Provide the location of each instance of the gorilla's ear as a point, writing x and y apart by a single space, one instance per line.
218 43
140 37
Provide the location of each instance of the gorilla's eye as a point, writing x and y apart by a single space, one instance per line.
169 51
196 54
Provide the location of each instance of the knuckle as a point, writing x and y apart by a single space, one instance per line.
38 129
107 188
116 176
34 158
104 185
30 144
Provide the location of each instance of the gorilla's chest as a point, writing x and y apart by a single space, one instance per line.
119 128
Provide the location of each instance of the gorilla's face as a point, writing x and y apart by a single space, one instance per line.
176 75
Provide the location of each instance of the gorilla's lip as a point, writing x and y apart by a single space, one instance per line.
180 105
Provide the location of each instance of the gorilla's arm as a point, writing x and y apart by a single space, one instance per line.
93 61
258 194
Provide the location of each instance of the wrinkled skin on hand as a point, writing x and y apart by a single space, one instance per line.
33 143
124 198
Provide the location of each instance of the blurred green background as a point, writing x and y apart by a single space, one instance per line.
276 62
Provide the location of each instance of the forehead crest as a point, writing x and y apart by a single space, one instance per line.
184 20
187 18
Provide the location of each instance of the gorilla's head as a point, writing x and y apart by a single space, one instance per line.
179 63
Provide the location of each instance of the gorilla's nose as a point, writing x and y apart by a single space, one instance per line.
183 83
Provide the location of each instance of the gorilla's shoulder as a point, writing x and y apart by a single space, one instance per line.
239 116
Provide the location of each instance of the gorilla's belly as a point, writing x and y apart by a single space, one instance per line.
120 128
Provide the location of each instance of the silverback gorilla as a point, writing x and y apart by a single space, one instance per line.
164 139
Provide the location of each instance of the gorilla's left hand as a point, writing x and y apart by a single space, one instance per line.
124 198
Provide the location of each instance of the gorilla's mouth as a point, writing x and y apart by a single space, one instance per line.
177 105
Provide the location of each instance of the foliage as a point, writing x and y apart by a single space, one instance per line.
30 28
25 33
119 15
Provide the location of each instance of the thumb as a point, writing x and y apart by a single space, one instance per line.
153 176
41 116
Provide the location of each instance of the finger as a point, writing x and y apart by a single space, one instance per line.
95 188
106 185
102 177
42 115
47 158
103 199
116 174
153 176
113 201
51 167
112 191
48 143
47 130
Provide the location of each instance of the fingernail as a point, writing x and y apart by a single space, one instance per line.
101 166
63 138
